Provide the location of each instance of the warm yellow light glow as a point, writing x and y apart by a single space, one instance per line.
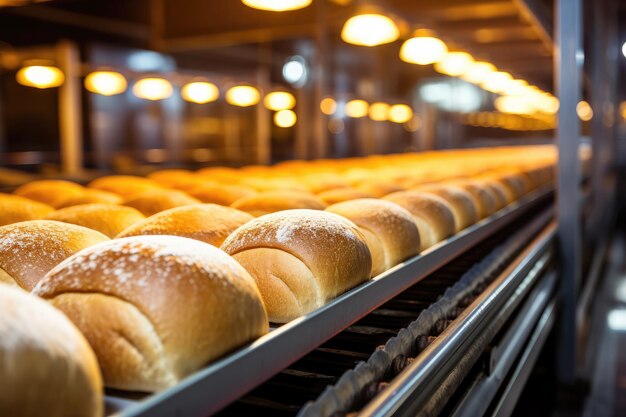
478 71
153 89
548 103
277 5
379 111
369 30
513 105
496 82
106 83
279 100
40 76
285 118
454 64
423 50
584 111
328 106
400 113
200 92
243 96
356 108
515 87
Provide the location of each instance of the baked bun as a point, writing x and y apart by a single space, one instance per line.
46 366
154 201
172 177
51 192
124 185
156 308
461 202
14 208
209 223
108 219
300 259
91 196
224 195
502 195
337 195
390 231
378 188
318 183
273 201
28 250
482 196
433 215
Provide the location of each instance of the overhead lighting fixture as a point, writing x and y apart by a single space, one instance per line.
515 87
328 106
379 111
279 100
295 71
285 118
153 89
496 82
243 96
356 108
400 113
423 50
106 83
277 5
454 63
624 49
369 30
478 71
584 111
200 92
40 76
513 105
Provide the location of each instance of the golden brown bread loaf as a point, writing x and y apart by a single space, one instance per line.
91 196
14 208
378 188
171 177
461 202
108 219
337 195
209 223
224 195
272 201
300 259
318 183
46 366
483 197
389 229
124 185
51 192
154 201
156 308
433 215
28 250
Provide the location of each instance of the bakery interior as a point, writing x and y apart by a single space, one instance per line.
312 208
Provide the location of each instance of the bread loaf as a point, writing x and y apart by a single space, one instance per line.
300 259
156 308
209 223
46 366
15 209
273 201
461 202
108 219
483 197
389 229
224 195
337 195
433 215
124 185
91 196
154 201
28 250
51 192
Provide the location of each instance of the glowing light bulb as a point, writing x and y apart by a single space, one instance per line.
478 71
369 30
513 105
496 82
515 87
584 111
40 76
454 63
285 118
356 108
243 96
106 83
400 113
153 89
379 111
279 100
328 106
200 92
423 50
277 5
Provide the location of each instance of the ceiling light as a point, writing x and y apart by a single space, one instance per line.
584 111
478 71
279 100
356 108
496 82
328 106
277 5
200 92
369 30
243 96
285 118
423 50
40 76
153 89
379 111
106 83
454 63
400 113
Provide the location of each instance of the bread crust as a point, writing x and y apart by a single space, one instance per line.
273 201
154 201
51 192
108 219
14 208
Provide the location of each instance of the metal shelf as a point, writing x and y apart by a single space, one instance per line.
220 383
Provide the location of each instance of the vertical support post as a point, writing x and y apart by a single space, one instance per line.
320 72
70 109
568 63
